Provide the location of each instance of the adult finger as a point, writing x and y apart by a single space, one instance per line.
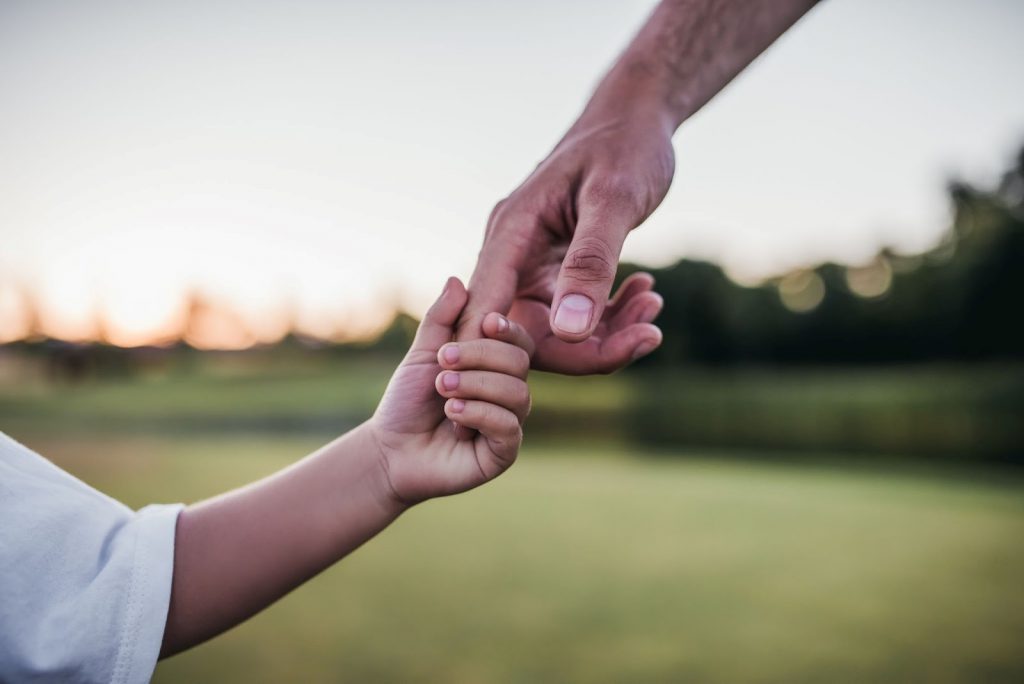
594 355
492 287
606 215
642 308
633 285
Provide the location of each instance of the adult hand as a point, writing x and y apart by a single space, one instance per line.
552 247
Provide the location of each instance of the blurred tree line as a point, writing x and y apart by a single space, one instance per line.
959 302
806 361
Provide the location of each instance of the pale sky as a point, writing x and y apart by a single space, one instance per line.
342 158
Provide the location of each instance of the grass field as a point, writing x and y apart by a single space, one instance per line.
583 565
594 559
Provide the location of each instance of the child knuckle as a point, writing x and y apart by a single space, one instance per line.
522 394
473 355
522 362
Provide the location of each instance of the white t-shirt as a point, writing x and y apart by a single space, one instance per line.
84 581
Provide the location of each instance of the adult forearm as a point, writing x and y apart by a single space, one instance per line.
687 51
240 552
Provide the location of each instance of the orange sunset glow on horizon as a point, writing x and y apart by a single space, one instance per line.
151 319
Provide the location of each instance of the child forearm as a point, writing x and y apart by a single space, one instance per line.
241 551
238 553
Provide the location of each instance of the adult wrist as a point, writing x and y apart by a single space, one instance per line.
637 86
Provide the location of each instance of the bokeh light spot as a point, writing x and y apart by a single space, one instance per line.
871 281
802 291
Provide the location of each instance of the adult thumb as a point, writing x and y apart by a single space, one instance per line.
588 271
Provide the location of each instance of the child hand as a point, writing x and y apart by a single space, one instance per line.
479 385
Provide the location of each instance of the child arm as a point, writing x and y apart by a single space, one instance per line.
239 552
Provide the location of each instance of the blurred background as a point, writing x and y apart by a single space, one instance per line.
220 221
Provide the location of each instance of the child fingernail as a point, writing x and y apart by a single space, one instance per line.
502 324
451 353
450 381
456 405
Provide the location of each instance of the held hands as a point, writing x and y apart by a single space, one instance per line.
552 247
479 385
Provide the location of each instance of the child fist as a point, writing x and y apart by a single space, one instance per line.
451 417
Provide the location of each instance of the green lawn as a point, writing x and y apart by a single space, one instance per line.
583 566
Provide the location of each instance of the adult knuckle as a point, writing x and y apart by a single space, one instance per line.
510 233
509 214
496 219
612 189
496 211
590 260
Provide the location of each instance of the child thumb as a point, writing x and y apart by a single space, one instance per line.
438 324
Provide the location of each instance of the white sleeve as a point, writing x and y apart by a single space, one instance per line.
85 582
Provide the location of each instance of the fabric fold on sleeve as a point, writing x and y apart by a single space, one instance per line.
149 598
85 582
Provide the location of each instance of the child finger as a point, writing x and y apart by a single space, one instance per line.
498 327
437 325
485 354
498 425
497 388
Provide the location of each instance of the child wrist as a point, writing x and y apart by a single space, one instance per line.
380 480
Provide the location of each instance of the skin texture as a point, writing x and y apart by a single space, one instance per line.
239 552
560 233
